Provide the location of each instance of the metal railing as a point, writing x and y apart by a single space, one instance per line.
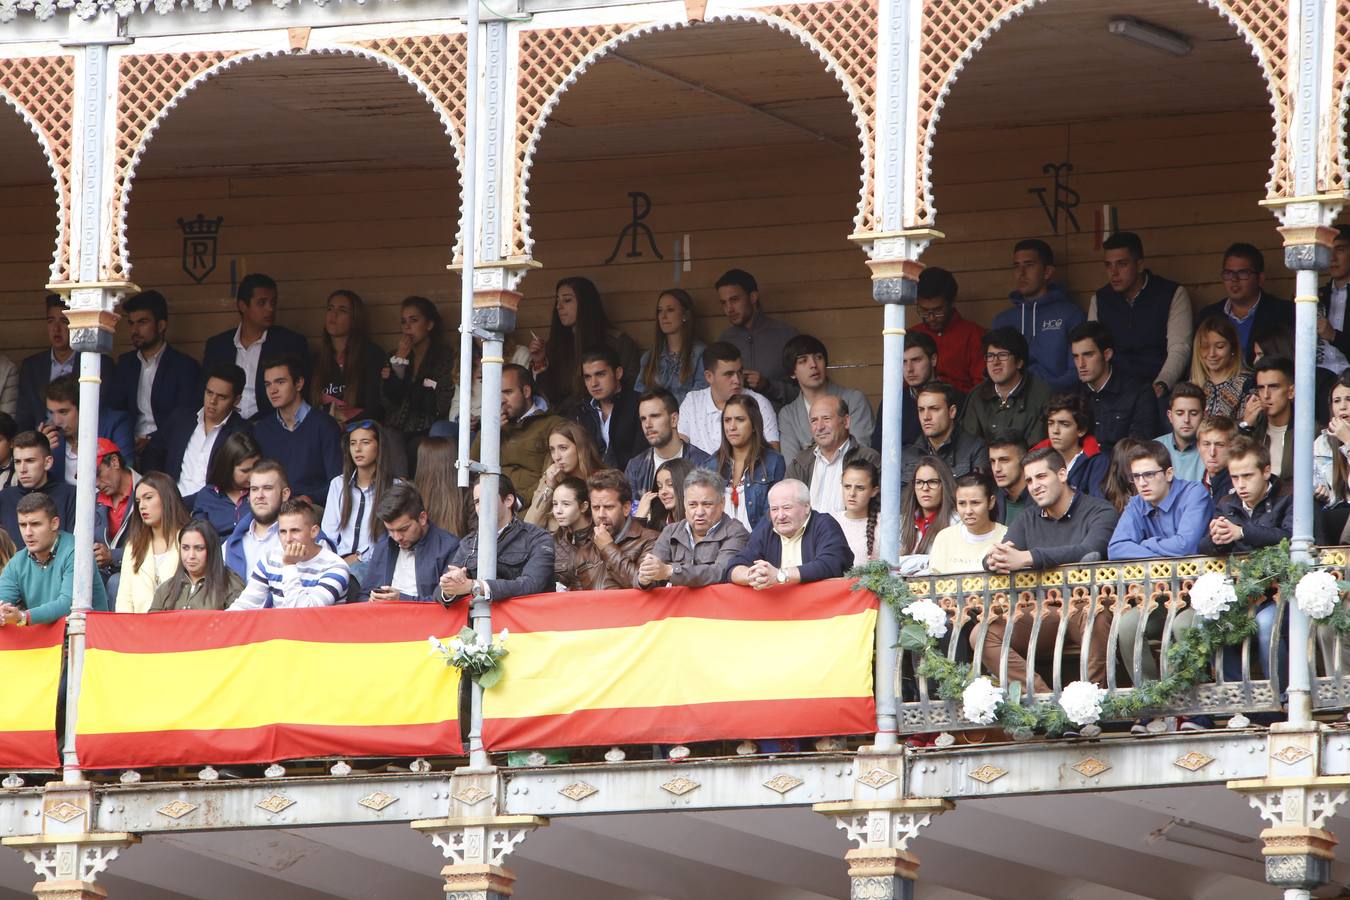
1071 624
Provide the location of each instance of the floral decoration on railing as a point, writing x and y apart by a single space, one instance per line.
1221 621
473 656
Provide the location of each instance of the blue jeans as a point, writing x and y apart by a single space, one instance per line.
1265 626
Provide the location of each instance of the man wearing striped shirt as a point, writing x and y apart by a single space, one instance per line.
303 573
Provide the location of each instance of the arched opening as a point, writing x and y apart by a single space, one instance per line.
29 232
747 148
1174 147
326 171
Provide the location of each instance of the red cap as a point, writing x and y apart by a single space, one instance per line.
105 447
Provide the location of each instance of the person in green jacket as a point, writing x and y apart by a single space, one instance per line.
37 585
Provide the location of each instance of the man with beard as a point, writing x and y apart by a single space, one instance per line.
154 380
255 537
659 417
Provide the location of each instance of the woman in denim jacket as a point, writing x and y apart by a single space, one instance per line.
747 462
675 361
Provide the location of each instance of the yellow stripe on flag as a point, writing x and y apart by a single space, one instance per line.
31 679
716 660
266 683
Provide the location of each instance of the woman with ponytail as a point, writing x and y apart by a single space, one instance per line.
862 504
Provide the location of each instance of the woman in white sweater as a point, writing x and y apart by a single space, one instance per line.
962 548
151 557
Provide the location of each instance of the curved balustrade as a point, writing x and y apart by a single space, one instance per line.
1110 602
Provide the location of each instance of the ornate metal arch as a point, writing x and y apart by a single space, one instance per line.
551 60
953 31
1338 160
42 91
151 86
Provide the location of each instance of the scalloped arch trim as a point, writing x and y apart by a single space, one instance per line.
524 240
925 209
58 183
120 264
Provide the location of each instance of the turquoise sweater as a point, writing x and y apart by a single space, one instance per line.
46 591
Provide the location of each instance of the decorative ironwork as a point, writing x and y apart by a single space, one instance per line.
781 784
991 618
988 774
42 89
176 809
275 803
1291 754
377 800
578 791
877 778
680 786
64 812
1193 761
1090 767
471 795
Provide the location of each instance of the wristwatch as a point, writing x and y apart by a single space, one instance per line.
782 576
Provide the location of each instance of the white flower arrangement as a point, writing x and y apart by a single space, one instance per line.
980 701
480 660
1212 595
1082 702
1318 594
928 614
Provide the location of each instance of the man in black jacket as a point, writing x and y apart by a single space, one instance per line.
1123 407
1257 514
1333 344
408 563
32 473
257 338
610 412
185 446
792 544
963 452
524 555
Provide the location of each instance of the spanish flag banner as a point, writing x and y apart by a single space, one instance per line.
181 688
30 659
676 665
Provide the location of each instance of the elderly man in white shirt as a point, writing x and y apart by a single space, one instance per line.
701 411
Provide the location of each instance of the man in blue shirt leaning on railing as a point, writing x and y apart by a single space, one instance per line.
1167 516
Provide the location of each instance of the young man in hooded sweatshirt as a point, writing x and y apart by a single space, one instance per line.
1043 313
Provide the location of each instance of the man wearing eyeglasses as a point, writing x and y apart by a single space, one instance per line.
1166 516
1250 308
1011 398
958 340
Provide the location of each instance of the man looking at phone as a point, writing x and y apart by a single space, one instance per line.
408 563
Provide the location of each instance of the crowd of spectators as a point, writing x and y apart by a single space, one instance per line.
264 476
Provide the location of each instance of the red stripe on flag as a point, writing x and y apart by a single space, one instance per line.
188 630
265 744
33 637
732 720
588 610
30 749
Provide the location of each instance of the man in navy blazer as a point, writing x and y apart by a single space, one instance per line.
174 380
185 448
38 371
408 563
257 338
792 544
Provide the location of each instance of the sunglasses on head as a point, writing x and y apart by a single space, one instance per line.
368 424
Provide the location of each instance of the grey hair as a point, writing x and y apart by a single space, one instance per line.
705 478
801 493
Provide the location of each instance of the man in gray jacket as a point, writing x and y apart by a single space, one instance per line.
696 551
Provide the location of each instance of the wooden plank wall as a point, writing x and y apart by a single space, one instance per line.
1189 184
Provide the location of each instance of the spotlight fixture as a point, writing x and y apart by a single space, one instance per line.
1149 35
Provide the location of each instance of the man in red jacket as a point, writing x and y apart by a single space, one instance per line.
960 356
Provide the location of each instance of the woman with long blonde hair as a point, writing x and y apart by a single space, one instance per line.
1218 368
